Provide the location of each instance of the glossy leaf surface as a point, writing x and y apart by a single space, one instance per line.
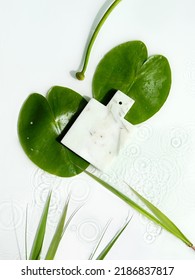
41 125
128 68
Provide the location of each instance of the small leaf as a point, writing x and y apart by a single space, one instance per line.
58 234
40 233
71 217
42 123
128 68
109 246
101 237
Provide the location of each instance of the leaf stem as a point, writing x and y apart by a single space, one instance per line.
81 75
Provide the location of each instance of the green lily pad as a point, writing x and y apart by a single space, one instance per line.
128 68
41 125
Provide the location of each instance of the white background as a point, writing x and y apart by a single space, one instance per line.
41 45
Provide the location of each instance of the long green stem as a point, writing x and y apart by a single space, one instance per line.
81 75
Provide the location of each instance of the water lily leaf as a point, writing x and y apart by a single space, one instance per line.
42 123
128 68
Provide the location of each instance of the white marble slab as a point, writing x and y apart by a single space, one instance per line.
100 132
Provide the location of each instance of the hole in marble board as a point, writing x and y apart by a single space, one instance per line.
120 102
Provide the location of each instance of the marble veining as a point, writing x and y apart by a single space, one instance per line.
100 132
